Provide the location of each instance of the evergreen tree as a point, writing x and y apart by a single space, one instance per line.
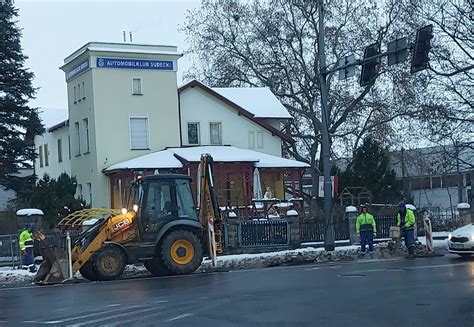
369 168
56 198
18 122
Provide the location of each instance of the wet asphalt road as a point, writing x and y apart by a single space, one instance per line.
421 292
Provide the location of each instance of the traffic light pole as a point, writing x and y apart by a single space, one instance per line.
419 62
358 62
328 217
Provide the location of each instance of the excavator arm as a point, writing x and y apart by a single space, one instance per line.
209 211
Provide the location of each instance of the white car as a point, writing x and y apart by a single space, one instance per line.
461 241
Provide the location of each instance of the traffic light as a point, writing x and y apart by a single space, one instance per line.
421 49
370 67
397 51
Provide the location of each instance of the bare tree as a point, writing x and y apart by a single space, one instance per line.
448 118
273 43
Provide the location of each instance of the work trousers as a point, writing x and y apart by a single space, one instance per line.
28 259
409 237
366 238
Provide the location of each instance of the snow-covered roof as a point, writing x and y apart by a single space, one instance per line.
259 101
463 205
218 153
169 158
29 212
269 161
159 159
52 116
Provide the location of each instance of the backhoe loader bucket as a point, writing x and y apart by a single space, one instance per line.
54 268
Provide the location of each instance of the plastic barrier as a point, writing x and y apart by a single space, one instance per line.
428 235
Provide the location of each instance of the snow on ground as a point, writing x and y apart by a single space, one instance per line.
436 243
440 234
15 276
231 262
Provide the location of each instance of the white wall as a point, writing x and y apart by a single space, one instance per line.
439 197
199 106
108 105
54 167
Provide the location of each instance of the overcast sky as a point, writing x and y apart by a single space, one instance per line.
54 29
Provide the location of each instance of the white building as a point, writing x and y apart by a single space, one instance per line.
53 149
248 118
123 103
436 177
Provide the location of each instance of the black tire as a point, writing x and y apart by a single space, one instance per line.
180 260
464 255
109 263
87 271
156 267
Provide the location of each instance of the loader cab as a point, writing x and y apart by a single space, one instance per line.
164 198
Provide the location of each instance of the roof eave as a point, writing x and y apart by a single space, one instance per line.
240 110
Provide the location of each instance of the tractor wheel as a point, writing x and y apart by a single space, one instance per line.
87 271
109 263
156 267
181 252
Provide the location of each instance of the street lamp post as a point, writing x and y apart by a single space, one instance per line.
328 218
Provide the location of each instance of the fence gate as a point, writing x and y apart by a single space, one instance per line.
255 233
314 230
9 250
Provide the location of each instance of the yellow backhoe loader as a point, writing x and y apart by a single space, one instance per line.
160 228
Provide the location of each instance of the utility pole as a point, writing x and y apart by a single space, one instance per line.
328 218
458 172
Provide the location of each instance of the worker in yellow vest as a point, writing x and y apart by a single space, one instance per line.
366 229
406 221
25 242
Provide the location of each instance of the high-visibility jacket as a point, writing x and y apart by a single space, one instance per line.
25 240
365 221
408 222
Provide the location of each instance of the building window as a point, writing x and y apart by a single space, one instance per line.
60 150
79 191
89 193
435 182
137 86
79 92
251 140
40 154
69 146
85 122
46 155
75 95
215 131
259 140
193 133
139 139
77 132
83 90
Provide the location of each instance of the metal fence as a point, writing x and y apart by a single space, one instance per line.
9 250
58 239
314 230
442 219
255 233
383 224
